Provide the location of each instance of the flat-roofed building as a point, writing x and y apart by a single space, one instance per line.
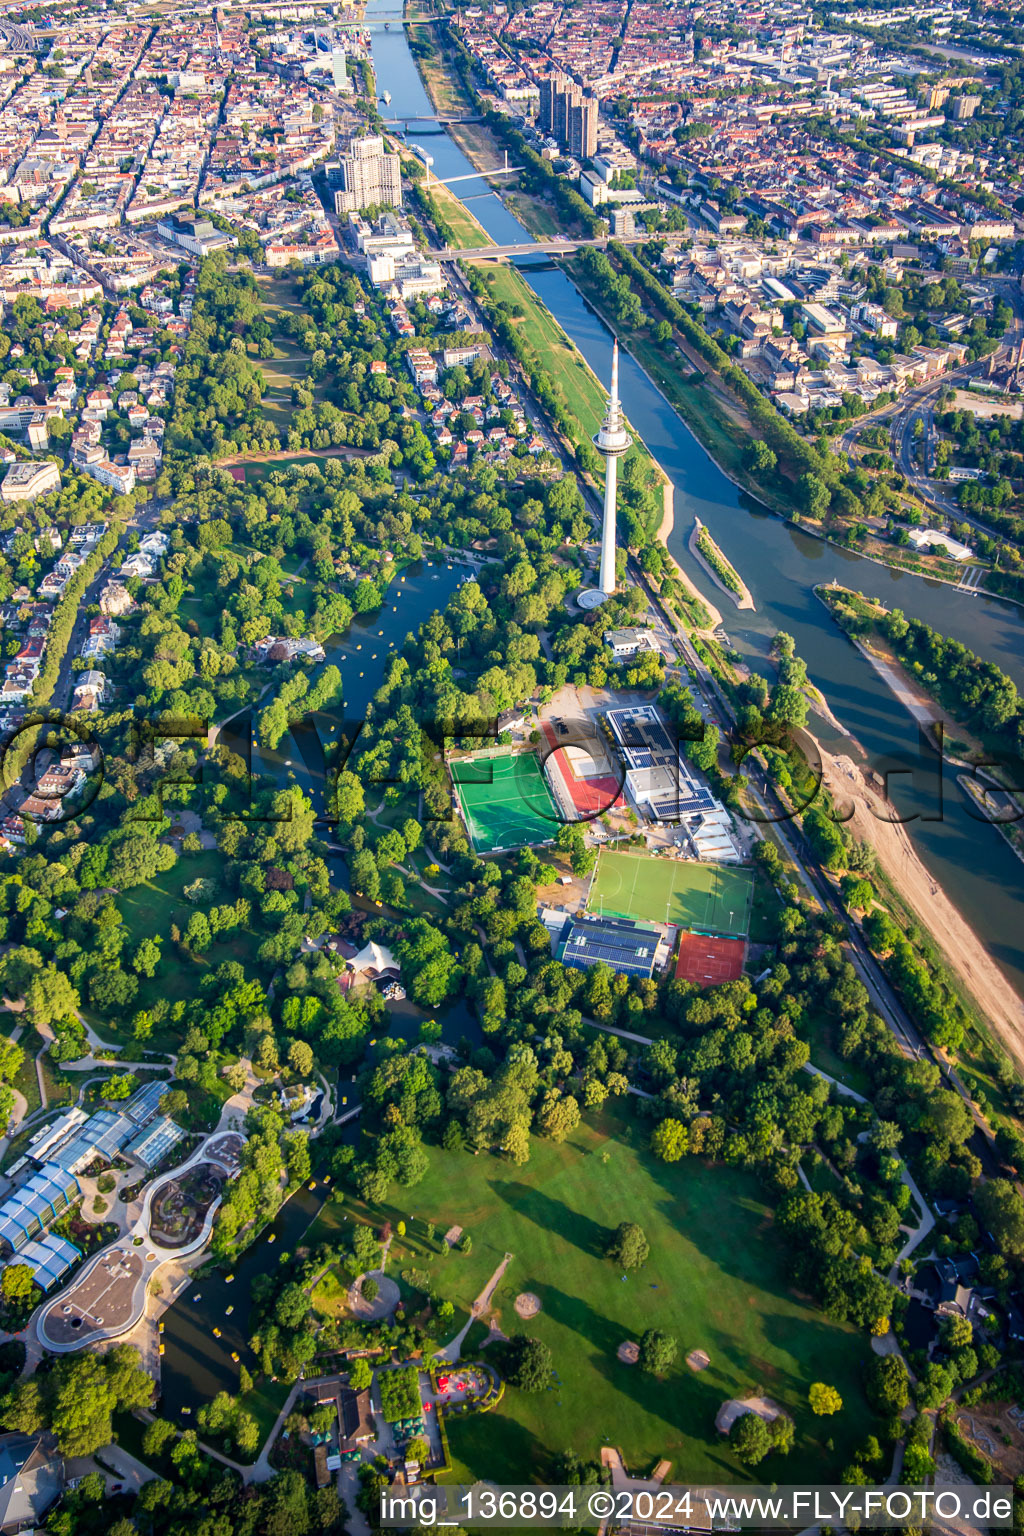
26 481
631 641
629 948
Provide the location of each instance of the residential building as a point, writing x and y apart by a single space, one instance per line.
31 1481
25 481
369 175
568 115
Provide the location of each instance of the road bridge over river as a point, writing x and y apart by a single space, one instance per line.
562 247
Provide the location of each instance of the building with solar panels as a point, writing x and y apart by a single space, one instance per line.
49 1257
664 787
631 949
27 1212
42 1144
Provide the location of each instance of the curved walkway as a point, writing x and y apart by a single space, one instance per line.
129 1260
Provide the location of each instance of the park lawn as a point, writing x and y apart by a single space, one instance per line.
444 87
60 1087
823 1036
26 1081
586 397
764 912
536 213
469 233
715 1280
330 1295
264 1402
583 391
208 624
150 909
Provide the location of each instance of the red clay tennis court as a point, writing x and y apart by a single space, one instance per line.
590 796
709 961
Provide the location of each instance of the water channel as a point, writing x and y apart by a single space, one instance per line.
779 564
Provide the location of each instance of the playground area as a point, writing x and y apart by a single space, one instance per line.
179 1210
709 961
706 898
504 800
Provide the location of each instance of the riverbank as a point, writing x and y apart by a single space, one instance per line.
870 820
720 425
945 732
701 607
943 729
782 566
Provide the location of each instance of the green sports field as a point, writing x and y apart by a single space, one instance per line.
710 898
505 801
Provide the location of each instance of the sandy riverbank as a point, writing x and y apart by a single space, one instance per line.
898 858
668 522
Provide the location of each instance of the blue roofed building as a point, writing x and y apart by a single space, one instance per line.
629 948
50 1192
49 1257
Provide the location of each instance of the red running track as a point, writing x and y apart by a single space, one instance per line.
590 797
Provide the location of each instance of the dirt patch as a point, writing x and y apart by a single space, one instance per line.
996 999
698 1359
527 1304
372 1309
736 1407
452 1236
988 1426
628 1352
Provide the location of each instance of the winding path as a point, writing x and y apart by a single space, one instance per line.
136 1244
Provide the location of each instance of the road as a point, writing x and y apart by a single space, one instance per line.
918 405
560 247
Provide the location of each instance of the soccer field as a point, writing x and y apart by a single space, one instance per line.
709 898
505 801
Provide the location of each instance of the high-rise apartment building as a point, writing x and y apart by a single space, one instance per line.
369 176
568 115
581 128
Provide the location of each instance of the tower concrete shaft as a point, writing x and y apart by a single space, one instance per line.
611 442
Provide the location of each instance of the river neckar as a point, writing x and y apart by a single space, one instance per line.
780 565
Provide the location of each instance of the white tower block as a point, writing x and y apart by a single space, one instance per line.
611 442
